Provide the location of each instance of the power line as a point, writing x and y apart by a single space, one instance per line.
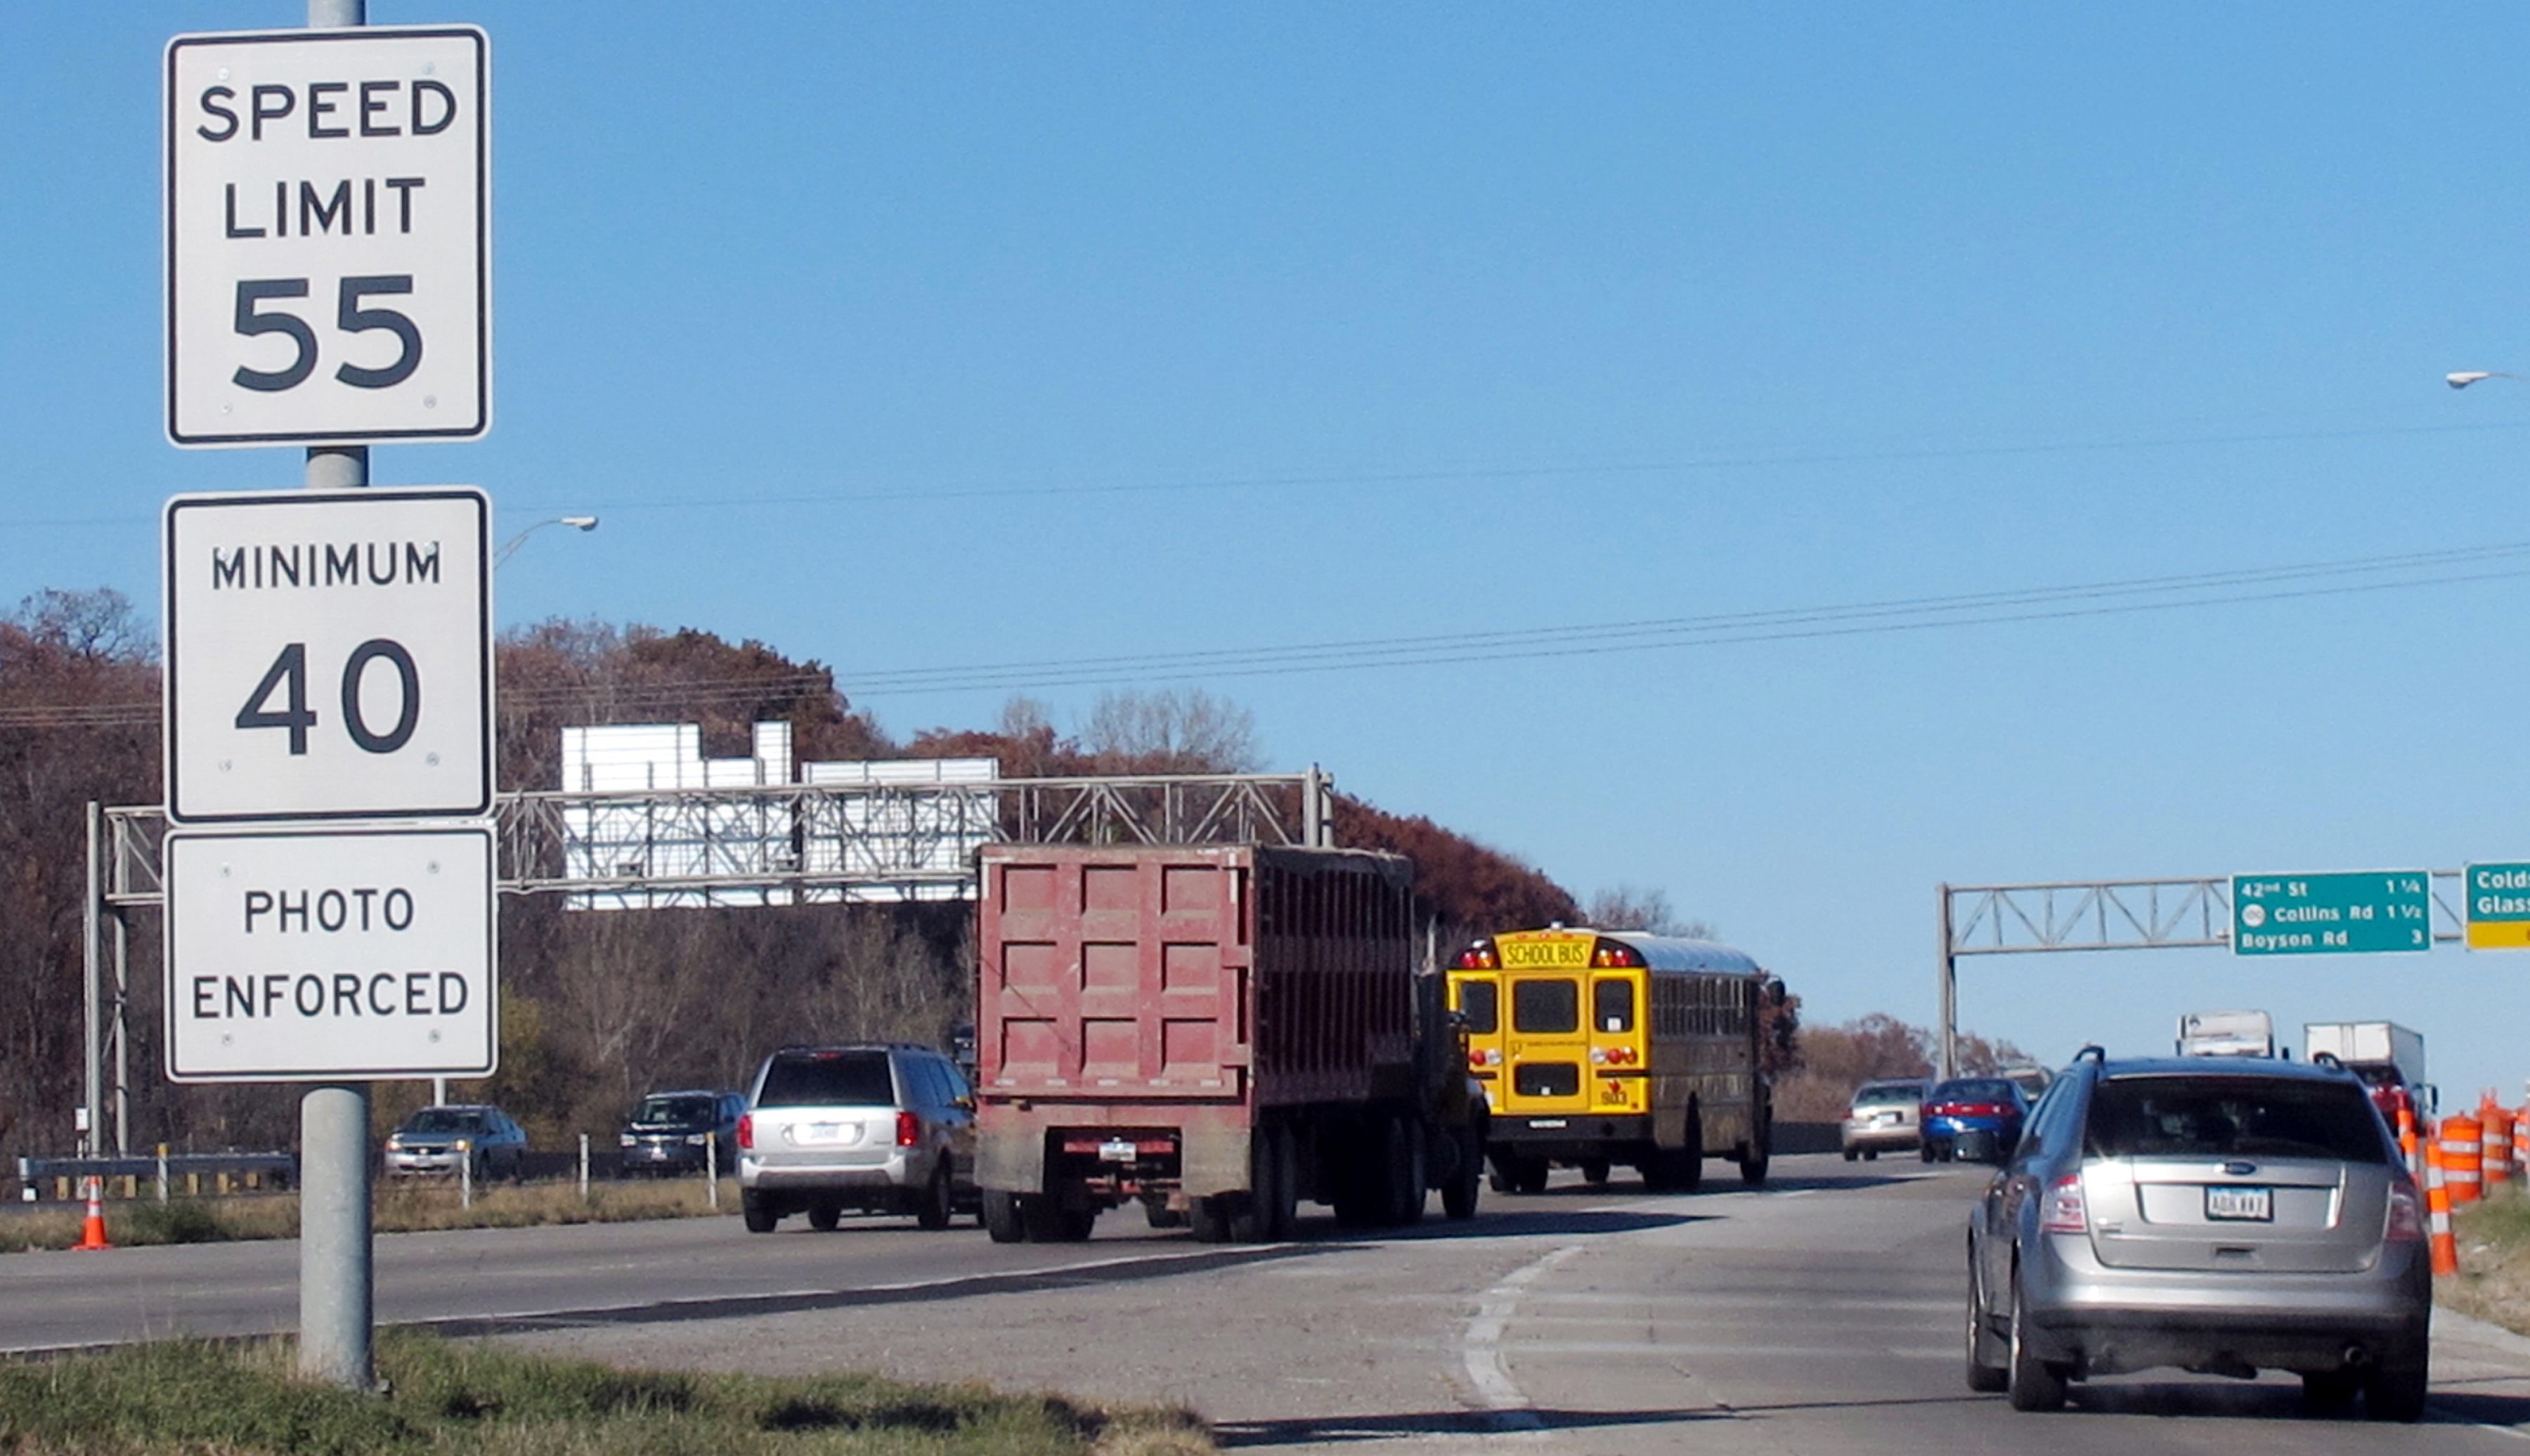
2398 572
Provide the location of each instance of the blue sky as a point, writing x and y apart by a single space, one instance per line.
904 336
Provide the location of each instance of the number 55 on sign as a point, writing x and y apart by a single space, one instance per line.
328 236
329 656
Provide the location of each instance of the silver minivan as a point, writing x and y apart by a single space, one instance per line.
2221 1215
880 1128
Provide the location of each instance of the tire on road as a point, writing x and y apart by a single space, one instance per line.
758 1211
824 1216
1459 1196
2034 1384
1002 1220
1985 1376
2396 1392
935 1210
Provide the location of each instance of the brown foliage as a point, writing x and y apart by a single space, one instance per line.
1836 1060
1474 890
62 656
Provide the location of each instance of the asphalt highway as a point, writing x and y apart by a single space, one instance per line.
1819 1315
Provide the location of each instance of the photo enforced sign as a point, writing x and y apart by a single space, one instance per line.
327 953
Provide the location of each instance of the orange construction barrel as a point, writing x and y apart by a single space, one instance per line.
2463 1157
2496 1139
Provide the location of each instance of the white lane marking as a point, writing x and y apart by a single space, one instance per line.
1482 1345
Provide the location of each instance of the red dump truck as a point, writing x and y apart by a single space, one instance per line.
1216 1033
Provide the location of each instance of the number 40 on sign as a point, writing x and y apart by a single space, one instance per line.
328 656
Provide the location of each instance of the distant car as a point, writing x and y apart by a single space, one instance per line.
442 1140
877 1128
1974 1117
1885 1117
2221 1214
673 1132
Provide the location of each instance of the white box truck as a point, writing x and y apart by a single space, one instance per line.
2384 1054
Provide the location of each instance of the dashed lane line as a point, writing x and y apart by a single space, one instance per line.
1508 1409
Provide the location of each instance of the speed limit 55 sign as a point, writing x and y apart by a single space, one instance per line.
329 655
328 221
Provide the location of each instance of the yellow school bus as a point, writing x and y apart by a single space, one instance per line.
1598 1048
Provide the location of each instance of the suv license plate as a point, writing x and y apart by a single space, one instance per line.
1117 1150
2240 1205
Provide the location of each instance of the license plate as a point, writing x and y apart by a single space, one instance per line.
2240 1205
829 1134
1117 1150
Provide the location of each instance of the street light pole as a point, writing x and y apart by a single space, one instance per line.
511 546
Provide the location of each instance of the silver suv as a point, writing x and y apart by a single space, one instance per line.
878 1128
2222 1216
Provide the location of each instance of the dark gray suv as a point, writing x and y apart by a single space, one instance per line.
2221 1214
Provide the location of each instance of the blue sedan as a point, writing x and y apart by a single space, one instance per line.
1976 1117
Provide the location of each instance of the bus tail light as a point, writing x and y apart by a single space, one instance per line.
1478 957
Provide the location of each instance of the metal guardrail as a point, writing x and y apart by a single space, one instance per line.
280 1168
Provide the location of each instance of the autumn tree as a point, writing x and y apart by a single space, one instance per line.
1632 907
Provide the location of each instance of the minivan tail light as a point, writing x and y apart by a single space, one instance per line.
746 1131
2406 1223
2063 1212
908 1129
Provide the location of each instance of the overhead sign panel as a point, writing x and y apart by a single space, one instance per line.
327 955
328 216
2364 912
2497 917
328 655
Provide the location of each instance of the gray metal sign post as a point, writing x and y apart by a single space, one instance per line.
337 1287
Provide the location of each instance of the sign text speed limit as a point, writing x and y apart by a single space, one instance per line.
328 655
328 250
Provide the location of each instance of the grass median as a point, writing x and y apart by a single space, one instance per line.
403 1207
450 1396
2494 1279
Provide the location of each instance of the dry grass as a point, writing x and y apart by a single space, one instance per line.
398 1207
2493 1280
444 1397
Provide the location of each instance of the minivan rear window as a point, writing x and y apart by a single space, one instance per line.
827 1079
2182 1116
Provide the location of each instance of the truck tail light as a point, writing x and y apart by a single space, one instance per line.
746 1131
2062 1211
2406 1222
908 1129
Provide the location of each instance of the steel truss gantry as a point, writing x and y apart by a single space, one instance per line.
2071 915
832 841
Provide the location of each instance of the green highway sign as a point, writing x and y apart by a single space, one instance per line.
2497 917
2368 913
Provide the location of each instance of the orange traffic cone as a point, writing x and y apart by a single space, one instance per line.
92 1228
2445 1249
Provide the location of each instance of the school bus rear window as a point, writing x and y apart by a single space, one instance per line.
1545 1007
1612 1005
1481 1001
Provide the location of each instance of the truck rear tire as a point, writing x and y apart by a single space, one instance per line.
1210 1218
1002 1217
1273 1214
1459 1196
1415 1188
